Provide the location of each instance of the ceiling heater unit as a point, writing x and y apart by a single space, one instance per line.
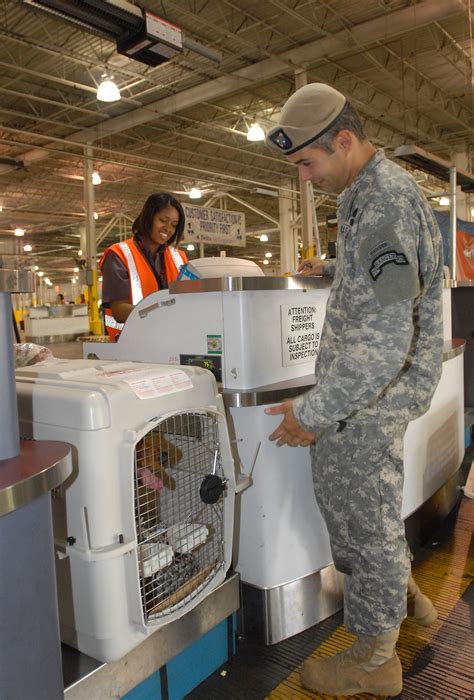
143 527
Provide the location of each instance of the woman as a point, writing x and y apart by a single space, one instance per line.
145 263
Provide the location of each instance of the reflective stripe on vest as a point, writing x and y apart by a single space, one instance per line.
177 259
112 323
135 283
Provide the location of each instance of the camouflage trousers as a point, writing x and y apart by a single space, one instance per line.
358 482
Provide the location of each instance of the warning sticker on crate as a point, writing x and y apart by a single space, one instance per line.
152 382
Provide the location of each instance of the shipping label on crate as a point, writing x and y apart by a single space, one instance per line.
301 327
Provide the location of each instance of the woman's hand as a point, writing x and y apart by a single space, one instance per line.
121 310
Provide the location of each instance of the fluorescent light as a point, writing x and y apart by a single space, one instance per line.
268 255
190 246
264 238
195 193
27 248
444 201
108 91
255 133
19 232
96 178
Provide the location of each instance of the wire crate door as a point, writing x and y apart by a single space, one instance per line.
180 537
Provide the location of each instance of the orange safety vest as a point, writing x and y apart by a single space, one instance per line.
141 279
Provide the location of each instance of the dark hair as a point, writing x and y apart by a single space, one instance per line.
347 119
60 296
143 224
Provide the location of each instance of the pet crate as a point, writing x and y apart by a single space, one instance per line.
143 527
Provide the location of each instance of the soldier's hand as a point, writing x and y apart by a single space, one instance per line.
289 432
311 266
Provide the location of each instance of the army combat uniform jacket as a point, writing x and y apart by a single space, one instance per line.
382 340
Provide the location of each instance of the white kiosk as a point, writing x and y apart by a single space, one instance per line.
260 336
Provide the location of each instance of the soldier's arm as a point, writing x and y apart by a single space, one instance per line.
380 328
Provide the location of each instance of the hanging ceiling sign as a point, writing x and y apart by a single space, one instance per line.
218 226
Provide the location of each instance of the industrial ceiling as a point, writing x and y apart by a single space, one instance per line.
405 64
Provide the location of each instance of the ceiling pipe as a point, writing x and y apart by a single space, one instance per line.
379 29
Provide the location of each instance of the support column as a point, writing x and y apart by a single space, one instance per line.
452 221
95 324
288 259
460 159
306 194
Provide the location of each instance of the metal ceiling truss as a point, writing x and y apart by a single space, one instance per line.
407 68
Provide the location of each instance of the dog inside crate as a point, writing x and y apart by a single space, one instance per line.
180 538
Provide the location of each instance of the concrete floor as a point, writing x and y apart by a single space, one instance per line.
69 351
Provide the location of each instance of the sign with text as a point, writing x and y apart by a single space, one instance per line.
218 226
301 328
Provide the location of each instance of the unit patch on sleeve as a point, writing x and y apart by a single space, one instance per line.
389 265
385 258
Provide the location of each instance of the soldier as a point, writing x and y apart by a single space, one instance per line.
379 363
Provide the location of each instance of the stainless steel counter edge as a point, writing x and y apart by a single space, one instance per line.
273 393
453 284
20 493
248 284
16 281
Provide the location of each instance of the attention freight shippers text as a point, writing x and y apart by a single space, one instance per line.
302 318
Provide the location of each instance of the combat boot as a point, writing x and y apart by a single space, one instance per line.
419 607
371 665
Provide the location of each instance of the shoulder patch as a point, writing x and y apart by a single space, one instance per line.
385 258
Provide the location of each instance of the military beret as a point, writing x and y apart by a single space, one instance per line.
306 115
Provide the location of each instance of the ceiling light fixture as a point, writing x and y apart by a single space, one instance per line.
268 255
96 178
96 216
19 232
108 90
27 248
195 193
444 201
190 246
40 274
255 133
266 262
264 238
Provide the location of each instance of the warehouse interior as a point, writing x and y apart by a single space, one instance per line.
174 557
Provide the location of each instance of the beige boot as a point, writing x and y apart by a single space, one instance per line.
371 665
419 607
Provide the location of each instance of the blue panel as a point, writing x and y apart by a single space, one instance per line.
191 667
147 690
197 662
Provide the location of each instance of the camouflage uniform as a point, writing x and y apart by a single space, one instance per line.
379 364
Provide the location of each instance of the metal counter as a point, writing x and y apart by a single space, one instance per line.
41 466
248 284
